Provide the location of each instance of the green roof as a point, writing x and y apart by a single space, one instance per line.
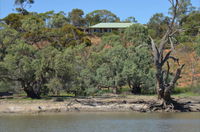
111 25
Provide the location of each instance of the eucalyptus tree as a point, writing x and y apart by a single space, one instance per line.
138 70
191 24
114 65
165 85
109 73
58 20
76 17
157 25
131 19
185 8
117 66
19 67
137 34
33 29
14 21
99 16
23 4
8 36
39 71
32 23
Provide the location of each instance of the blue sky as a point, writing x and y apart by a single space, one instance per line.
142 10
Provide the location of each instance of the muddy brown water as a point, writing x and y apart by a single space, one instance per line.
101 122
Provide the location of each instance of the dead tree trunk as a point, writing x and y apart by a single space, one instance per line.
164 85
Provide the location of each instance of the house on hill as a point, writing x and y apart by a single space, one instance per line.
108 27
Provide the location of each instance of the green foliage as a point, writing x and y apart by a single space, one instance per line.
179 90
76 17
194 90
46 55
185 7
14 21
5 86
138 70
131 19
197 48
32 23
136 34
55 67
23 5
109 72
113 65
39 72
58 20
19 66
8 36
99 16
66 36
191 24
55 86
56 32
19 2
111 40
158 25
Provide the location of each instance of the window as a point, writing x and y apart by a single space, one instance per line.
109 30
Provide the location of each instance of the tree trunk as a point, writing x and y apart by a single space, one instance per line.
164 95
136 89
30 91
32 94
164 87
164 84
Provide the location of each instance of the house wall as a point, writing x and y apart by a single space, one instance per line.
102 30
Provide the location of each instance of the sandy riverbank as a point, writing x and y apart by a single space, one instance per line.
114 104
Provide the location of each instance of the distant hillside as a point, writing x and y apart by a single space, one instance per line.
191 72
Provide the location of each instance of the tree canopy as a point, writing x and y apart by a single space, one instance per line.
76 17
23 5
99 16
49 53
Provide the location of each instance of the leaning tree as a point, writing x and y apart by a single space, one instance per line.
165 83
23 4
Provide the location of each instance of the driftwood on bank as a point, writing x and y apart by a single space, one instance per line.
145 106
114 104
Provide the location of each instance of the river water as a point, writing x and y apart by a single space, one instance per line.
101 122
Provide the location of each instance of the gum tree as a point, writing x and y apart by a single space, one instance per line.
99 16
22 5
165 85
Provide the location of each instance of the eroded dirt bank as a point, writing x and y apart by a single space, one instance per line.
114 104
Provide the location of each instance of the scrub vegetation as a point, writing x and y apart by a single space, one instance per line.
45 54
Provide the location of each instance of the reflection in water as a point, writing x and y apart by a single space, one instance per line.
102 122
